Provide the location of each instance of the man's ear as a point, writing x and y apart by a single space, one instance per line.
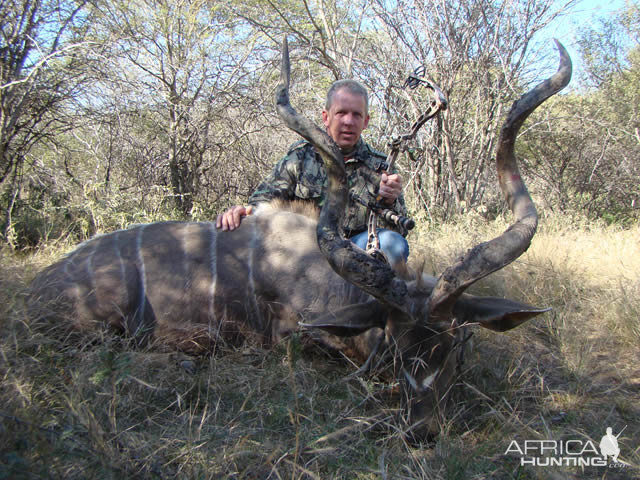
325 118
498 314
351 320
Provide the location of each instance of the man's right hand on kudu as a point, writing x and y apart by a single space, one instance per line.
231 219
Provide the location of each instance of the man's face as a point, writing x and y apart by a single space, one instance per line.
346 119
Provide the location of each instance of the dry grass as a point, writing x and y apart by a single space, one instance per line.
74 407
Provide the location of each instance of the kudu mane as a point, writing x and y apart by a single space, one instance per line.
299 207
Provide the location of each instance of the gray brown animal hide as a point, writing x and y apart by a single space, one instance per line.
188 284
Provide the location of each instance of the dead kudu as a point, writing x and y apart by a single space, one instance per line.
186 284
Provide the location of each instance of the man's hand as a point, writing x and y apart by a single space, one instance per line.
390 187
230 220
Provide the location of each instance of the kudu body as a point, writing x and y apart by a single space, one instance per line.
187 284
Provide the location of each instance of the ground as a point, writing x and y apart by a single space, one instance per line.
79 406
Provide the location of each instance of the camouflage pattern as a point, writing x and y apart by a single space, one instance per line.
300 175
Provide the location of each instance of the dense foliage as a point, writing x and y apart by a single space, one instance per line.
117 112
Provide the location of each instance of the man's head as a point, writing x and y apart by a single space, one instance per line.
346 113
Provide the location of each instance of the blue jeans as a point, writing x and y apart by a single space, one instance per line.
393 244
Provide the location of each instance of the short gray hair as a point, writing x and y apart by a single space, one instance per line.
352 86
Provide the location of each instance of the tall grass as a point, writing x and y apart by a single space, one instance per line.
80 407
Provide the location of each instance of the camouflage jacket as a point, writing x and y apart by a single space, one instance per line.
301 175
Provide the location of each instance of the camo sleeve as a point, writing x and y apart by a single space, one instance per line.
280 183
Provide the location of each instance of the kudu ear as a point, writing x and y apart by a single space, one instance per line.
351 320
498 314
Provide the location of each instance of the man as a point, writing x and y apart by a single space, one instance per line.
300 174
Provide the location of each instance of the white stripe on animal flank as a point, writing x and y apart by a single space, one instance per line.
251 293
65 264
89 266
123 268
141 272
191 238
214 272
184 241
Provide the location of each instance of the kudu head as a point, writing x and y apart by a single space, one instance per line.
422 319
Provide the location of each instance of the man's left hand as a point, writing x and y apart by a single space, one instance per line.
390 187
